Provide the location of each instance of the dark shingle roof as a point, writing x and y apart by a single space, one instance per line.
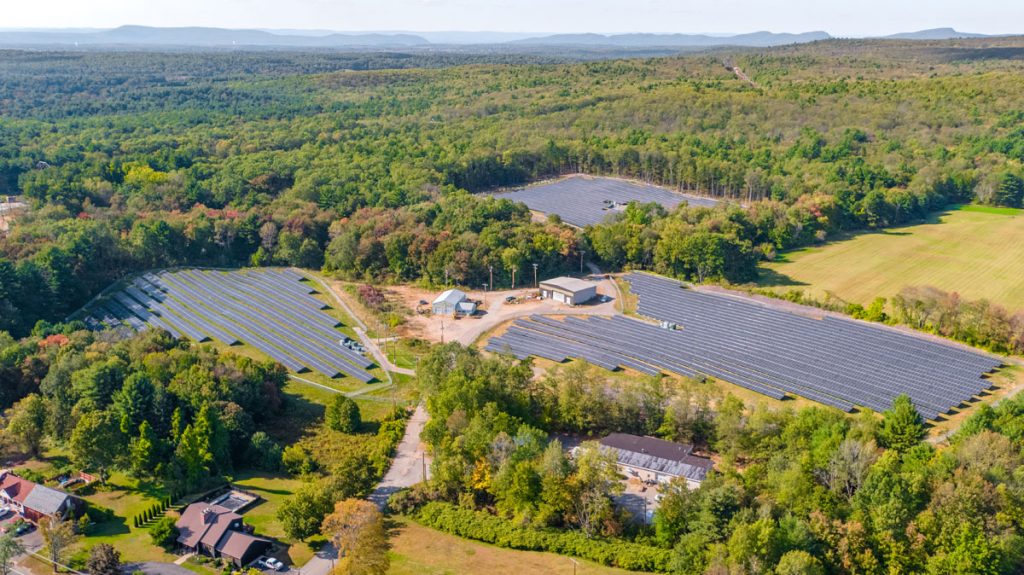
657 455
196 525
235 544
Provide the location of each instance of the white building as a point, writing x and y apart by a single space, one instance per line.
568 290
453 301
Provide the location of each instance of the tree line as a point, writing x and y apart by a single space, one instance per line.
152 406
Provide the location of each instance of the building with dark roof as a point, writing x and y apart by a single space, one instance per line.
215 531
657 460
34 501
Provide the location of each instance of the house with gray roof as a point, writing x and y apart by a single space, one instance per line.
34 501
656 460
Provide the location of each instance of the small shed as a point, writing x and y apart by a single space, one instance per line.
448 302
568 290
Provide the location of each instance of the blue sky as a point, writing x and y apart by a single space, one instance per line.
842 18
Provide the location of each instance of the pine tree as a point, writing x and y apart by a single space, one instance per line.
902 426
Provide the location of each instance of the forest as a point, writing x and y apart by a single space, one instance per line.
360 163
795 491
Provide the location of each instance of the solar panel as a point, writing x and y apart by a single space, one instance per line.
583 200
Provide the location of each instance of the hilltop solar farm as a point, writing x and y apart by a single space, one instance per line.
834 361
585 200
271 310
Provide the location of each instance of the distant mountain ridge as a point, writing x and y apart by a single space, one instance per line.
934 34
754 39
204 37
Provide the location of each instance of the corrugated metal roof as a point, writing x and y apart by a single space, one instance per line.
568 284
452 296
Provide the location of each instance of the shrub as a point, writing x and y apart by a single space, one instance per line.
164 532
297 460
343 415
497 531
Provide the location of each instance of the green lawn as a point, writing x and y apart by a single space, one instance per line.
274 489
976 251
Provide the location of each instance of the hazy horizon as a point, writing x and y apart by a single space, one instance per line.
870 18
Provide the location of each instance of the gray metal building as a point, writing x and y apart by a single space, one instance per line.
568 290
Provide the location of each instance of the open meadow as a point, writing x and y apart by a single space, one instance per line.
975 251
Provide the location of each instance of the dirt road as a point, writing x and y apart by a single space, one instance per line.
467 330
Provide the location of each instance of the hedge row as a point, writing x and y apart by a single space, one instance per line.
497 531
155 511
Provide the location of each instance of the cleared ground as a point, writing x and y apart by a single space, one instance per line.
975 251
494 312
418 550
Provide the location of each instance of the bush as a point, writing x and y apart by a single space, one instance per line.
164 532
264 453
343 415
497 531
297 460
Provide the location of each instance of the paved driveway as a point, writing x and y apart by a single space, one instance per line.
410 463
157 568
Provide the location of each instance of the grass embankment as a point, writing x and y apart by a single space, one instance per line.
976 251
419 550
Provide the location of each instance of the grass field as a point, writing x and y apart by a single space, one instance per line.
418 550
976 251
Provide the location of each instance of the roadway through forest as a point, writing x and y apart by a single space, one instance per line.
410 466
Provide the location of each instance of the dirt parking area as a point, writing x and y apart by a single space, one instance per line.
494 311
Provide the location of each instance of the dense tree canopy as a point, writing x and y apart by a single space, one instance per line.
140 160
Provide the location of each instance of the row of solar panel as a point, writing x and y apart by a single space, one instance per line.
827 362
840 343
269 309
860 363
583 201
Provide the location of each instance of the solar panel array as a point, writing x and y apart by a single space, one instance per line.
833 361
272 310
584 200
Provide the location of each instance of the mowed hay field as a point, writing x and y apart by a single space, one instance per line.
975 251
419 550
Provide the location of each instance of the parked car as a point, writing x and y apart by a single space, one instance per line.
4 511
261 563
23 528
275 564
510 299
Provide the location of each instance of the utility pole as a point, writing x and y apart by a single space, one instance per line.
485 295
581 261
535 284
490 269
442 330
513 278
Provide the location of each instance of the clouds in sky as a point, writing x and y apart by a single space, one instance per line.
838 17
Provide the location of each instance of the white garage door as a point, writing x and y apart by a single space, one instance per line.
559 297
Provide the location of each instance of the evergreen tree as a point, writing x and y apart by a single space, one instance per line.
902 426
